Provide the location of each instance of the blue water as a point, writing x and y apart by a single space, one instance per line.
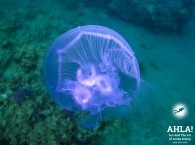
161 34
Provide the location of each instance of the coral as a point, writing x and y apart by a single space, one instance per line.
37 120
20 94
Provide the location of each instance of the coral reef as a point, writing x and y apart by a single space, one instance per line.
20 94
28 115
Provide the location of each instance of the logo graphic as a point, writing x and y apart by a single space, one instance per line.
180 110
180 134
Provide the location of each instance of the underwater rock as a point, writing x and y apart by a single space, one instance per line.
92 70
156 15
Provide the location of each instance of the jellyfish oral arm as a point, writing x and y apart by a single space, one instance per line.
103 84
88 83
100 82
81 94
88 79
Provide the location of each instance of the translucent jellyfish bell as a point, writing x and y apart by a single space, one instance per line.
92 69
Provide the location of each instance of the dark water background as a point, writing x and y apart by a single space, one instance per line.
162 34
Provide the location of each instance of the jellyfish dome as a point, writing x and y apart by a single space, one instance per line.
92 69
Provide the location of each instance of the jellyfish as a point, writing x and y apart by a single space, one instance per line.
92 71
